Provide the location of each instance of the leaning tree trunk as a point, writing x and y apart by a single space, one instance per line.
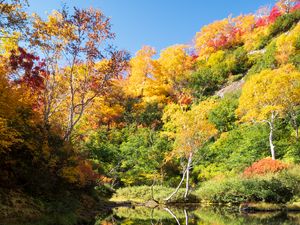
176 190
188 175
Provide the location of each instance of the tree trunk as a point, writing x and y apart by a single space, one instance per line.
272 147
188 175
271 124
176 190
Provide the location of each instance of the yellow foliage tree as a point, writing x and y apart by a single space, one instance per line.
78 41
140 74
286 45
8 136
12 98
269 95
173 65
172 70
190 131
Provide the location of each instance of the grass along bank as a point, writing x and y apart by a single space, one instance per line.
280 190
143 194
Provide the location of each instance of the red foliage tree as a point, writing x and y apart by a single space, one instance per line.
274 14
32 69
261 22
270 18
225 39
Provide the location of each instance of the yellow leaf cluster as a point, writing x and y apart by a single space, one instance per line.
190 129
156 80
140 72
54 29
253 38
8 43
271 91
286 45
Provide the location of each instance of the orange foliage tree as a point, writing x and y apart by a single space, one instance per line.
264 166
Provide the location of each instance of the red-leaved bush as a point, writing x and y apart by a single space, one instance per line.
263 166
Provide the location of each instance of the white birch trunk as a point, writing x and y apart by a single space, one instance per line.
176 190
188 175
271 125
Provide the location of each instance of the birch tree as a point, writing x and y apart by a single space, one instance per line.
270 95
190 131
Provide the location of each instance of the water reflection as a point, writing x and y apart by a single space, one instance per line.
198 216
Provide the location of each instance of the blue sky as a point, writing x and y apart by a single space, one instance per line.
158 23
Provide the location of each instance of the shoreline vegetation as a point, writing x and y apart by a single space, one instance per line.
271 192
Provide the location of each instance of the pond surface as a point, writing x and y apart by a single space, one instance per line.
199 216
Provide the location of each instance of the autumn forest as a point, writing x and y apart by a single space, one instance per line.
85 125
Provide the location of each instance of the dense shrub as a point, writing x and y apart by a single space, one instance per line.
233 151
277 188
291 179
238 189
205 81
265 166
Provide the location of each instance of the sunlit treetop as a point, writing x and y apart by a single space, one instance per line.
13 16
270 92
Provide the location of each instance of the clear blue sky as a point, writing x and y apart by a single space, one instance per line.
158 23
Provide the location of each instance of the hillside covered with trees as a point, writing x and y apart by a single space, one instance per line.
81 119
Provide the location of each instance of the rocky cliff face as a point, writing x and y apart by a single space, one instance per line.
237 85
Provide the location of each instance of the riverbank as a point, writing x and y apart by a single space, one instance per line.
17 207
269 192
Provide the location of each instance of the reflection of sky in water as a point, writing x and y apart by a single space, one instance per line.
203 216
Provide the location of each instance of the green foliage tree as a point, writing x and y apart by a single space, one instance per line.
233 151
142 156
223 115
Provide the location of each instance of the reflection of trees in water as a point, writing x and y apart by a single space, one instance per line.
203 216
172 214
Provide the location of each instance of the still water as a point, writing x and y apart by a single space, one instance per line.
196 216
